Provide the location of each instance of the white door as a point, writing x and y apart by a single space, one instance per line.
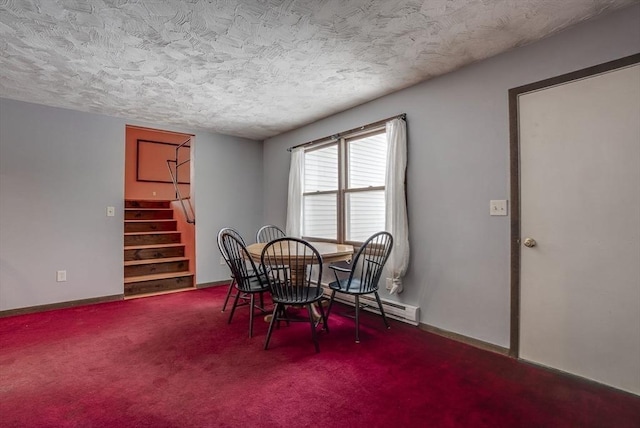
580 202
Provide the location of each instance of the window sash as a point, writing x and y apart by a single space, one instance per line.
314 169
322 223
364 214
356 170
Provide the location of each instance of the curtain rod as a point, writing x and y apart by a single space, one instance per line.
402 116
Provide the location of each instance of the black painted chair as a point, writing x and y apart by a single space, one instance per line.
294 275
364 274
232 285
268 233
249 279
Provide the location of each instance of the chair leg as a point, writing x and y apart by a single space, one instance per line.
325 318
314 335
233 308
282 315
262 300
273 321
285 317
357 318
251 310
226 299
333 294
384 318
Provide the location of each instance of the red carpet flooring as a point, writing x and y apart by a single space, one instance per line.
172 361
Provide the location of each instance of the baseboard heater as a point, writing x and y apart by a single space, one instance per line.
395 310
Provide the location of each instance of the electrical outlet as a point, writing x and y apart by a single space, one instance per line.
111 211
222 262
498 207
61 276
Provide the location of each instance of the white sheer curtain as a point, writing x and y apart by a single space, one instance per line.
296 187
395 201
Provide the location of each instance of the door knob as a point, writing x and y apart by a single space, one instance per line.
529 242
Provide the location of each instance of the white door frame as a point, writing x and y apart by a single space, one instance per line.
514 160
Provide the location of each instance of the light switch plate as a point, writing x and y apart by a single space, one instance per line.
111 211
498 207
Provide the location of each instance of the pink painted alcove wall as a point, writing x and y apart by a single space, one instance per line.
134 189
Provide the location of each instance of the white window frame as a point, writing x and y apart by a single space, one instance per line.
343 180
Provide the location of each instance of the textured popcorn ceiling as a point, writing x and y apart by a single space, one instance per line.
253 68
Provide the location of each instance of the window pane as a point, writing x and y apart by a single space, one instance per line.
321 169
367 161
364 214
320 218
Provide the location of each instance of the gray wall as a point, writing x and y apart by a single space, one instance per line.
60 169
458 139
228 194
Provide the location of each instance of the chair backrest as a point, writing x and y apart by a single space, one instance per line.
231 232
294 269
268 233
240 262
368 263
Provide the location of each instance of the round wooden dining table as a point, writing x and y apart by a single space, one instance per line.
329 251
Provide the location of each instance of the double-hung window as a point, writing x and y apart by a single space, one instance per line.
344 188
